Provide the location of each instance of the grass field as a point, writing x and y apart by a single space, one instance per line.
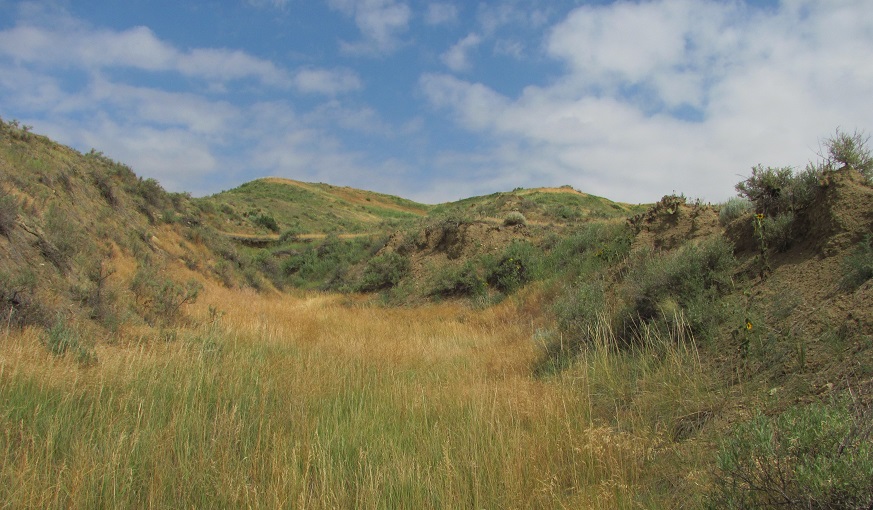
322 401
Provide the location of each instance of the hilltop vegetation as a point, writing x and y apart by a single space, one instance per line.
286 344
274 205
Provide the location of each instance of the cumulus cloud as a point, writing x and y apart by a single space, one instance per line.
675 95
439 13
137 48
327 81
457 58
64 81
381 23
494 16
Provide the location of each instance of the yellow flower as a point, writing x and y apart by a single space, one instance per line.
748 325
760 216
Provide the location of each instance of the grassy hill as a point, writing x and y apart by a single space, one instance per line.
540 205
533 349
272 205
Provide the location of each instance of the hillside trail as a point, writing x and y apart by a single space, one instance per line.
312 236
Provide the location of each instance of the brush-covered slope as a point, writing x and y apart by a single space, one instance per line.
540 205
272 205
84 240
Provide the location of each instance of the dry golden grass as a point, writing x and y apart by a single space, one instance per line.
321 401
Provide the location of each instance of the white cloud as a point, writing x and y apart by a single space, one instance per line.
457 57
159 108
136 47
509 48
475 106
177 158
439 13
381 23
494 16
364 120
277 4
765 85
64 83
327 81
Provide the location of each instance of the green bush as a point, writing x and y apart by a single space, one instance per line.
104 185
266 221
693 279
733 209
589 249
519 264
383 272
161 299
19 304
844 149
578 310
779 231
61 338
858 265
151 191
514 218
814 456
327 266
96 294
769 189
458 281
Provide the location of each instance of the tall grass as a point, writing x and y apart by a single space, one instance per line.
325 402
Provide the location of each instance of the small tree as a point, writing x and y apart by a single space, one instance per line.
851 150
768 188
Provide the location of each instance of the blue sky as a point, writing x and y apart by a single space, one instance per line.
441 100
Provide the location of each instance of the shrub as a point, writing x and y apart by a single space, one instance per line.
456 281
809 457
62 241
858 265
768 189
779 231
590 248
327 266
519 264
850 150
151 191
61 338
8 212
691 279
161 298
266 221
95 293
19 305
733 209
104 186
383 272
578 309
224 272
290 235
514 218
253 278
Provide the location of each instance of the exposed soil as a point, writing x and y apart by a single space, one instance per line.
672 222
449 243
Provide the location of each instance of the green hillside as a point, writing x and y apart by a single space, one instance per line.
540 205
537 348
273 205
